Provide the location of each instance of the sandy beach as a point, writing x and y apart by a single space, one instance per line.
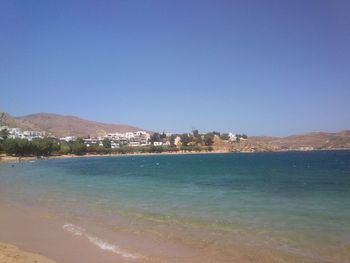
13 159
40 232
11 254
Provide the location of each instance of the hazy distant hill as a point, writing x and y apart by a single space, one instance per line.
314 140
60 125
309 141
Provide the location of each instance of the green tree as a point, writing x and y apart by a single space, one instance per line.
18 147
10 147
25 147
156 149
155 137
185 139
55 146
78 148
225 136
65 148
106 143
4 133
80 140
195 133
43 147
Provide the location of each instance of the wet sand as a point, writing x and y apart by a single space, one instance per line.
49 235
45 233
52 236
41 233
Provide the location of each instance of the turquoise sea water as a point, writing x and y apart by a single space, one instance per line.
265 207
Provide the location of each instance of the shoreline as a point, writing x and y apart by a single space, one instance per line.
5 159
36 234
10 253
14 159
71 239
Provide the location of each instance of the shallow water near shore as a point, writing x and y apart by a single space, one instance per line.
265 207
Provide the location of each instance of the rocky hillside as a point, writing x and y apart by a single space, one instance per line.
309 141
59 125
314 140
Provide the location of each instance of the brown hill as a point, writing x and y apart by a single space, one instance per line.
59 125
309 141
314 140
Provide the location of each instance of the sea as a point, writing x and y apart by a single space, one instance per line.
236 207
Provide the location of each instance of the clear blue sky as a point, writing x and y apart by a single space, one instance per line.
258 67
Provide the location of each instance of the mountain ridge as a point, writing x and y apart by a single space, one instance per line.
63 125
68 125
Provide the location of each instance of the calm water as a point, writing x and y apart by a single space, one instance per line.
275 207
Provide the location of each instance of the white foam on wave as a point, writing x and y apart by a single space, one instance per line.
75 230
104 245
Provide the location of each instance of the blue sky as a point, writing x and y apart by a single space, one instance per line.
255 67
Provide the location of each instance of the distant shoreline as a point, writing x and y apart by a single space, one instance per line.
14 159
4 159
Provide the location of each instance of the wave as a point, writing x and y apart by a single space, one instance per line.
104 245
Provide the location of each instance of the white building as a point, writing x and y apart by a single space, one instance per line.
14 133
30 135
232 137
129 135
133 144
68 138
177 140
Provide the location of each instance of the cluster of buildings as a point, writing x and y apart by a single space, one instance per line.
139 138
17 133
116 140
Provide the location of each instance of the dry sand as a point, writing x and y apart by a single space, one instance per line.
11 254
